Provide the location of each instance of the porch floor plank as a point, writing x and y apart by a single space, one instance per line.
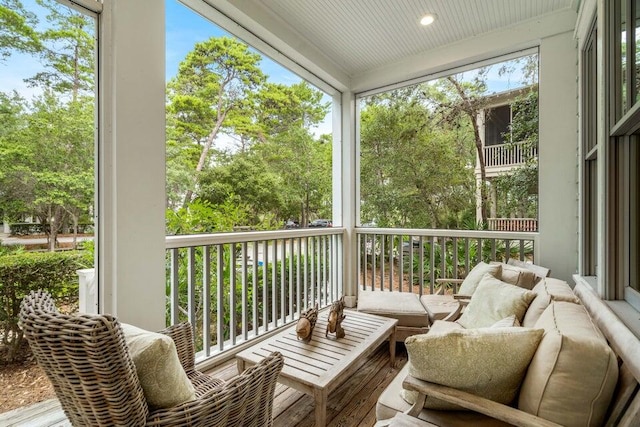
351 404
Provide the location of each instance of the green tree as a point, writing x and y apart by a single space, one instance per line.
68 52
17 33
216 80
280 108
469 101
285 115
14 186
304 165
47 148
519 187
413 162
59 138
246 179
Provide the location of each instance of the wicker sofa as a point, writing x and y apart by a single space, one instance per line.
89 364
584 372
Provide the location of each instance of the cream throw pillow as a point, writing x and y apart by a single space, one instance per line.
517 276
164 381
486 362
494 300
470 283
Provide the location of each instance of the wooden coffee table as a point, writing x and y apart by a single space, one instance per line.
317 367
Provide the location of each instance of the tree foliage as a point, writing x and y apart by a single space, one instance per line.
68 52
275 167
17 29
413 162
214 85
518 189
47 145
420 146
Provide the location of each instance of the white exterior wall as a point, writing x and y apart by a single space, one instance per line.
132 162
558 188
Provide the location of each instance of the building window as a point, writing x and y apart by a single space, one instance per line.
623 178
590 150
497 125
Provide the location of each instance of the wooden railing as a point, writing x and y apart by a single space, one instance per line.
512 224
508 154
236 286
410 260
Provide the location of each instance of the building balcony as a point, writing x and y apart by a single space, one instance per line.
512 224
503 157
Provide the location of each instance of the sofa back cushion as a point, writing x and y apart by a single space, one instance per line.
573 373
488 362
547 290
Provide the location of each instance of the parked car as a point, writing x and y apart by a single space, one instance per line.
291 223
321 223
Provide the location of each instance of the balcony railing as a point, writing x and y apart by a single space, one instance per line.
508 154
234 287
512 224
410 260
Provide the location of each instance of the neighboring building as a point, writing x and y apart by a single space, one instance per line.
502 155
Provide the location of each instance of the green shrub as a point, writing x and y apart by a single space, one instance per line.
21 273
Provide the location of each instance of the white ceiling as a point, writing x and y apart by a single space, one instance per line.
362 35
360 45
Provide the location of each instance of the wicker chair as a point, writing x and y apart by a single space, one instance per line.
86 359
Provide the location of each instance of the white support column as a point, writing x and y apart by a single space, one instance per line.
348 198
131 249
558 188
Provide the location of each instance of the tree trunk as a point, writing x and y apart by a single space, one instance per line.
75 231
203 156
471 111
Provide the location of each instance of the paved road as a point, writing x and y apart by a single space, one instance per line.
7 240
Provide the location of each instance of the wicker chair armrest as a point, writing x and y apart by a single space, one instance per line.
471 401
182 335
213 407
249 396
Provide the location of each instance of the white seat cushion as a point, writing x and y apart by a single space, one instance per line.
438 306
404 306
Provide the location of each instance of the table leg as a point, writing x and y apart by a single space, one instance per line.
392 348
320 396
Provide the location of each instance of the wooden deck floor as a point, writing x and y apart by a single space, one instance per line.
351 404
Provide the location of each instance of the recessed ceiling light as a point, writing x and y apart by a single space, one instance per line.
428 19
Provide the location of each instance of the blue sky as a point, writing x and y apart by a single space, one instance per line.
185 28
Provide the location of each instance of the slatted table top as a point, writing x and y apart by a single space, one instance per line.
321 362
